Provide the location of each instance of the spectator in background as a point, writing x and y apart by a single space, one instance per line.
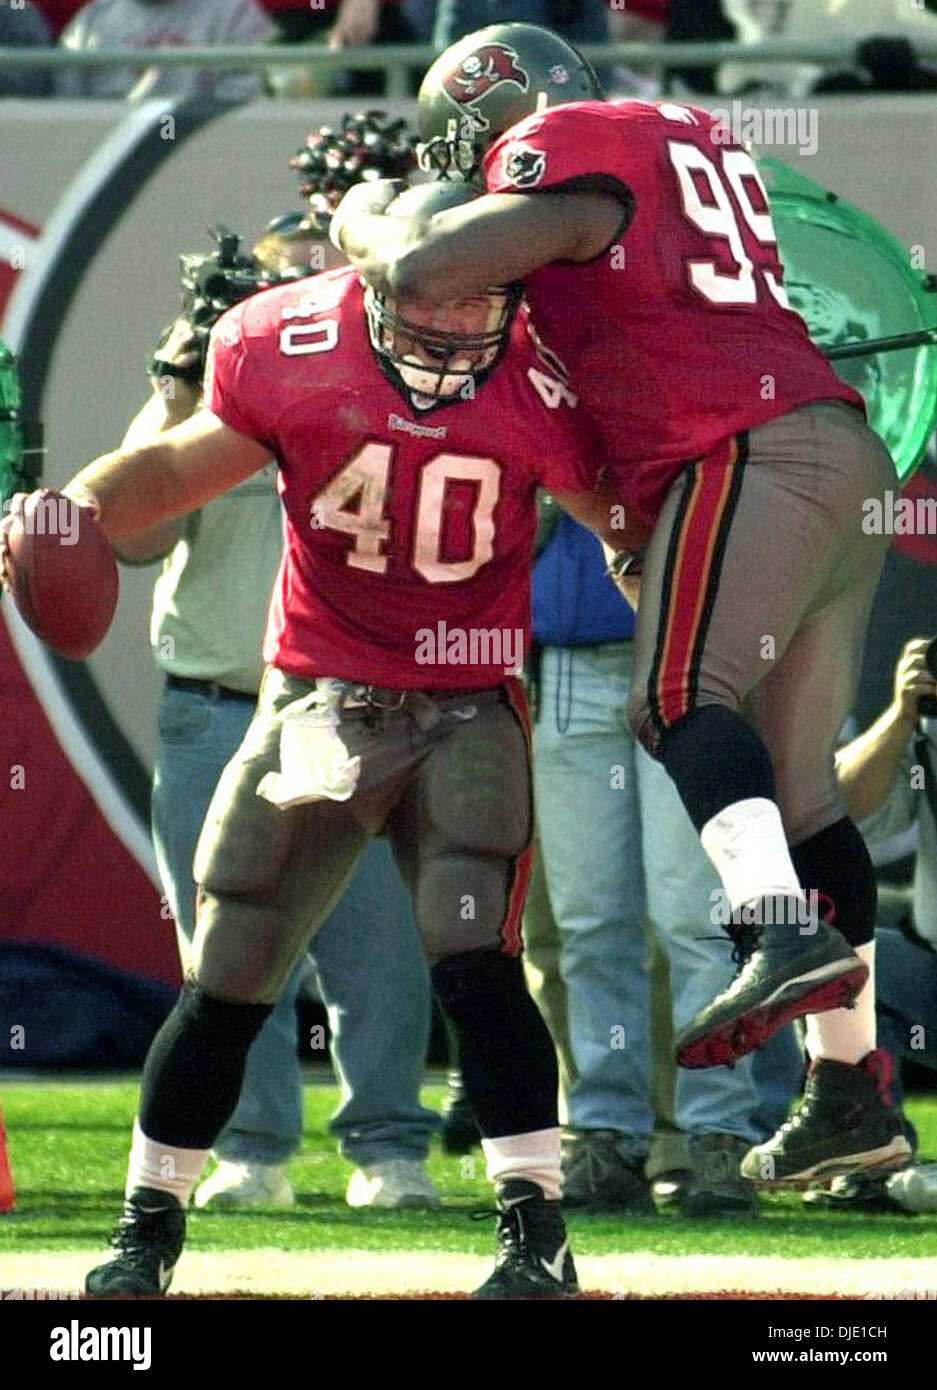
637 21
617 845
162 24
883 32
888 777
345 24
579 21
696 21
57 13
24 27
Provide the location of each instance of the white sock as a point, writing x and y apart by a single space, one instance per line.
748 848
163 1167
847 1035
534 1156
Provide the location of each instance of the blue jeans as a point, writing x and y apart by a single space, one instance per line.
618 845
906 1004
371 968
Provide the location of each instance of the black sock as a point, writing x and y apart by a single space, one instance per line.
715 759
508 1059
194 1068
835 865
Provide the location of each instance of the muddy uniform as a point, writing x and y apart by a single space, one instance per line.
398 624
721 423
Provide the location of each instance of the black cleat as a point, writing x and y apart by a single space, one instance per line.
847 1123
460 1133
791 972
862 1192
534 1259
149 1240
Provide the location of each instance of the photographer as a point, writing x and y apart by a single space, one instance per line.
888 777
209 609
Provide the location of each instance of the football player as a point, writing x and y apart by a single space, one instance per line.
390 703
643 235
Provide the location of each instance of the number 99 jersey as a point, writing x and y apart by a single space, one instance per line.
679 335
409 532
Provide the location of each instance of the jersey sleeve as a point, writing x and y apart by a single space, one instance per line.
569 457
574 148
231 390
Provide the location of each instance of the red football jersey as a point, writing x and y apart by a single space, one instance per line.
408 533
680 334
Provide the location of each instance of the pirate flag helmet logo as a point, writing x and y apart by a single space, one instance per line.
480 71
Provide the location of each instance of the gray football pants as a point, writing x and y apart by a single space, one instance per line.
756 593
447 777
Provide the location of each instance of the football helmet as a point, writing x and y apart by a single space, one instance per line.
437 352
486 83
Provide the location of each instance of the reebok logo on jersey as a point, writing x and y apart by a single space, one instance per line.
523 166
397 422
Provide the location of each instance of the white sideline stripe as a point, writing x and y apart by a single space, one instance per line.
76 745
377 1272
43 255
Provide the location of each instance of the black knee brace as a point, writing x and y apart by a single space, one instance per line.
835 864
715 758
195 1066
508 1058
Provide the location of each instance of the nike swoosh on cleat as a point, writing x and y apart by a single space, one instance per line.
555 1267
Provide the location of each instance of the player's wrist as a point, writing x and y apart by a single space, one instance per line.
625 564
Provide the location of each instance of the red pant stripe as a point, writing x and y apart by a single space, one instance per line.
690 582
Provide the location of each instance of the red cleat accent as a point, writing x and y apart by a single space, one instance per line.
724 1046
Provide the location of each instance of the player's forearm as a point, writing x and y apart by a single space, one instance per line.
866 768
147 546
496 240
132 489
159 414
602 511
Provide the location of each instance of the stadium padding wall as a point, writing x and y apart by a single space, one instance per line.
99 199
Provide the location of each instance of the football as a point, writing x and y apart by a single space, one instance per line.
63 574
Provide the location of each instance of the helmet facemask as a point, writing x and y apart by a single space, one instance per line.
450 156
440 352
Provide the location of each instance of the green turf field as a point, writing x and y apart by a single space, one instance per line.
68 1146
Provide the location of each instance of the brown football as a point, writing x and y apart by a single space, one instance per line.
63 574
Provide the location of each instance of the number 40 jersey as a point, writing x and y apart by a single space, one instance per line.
680 335
408 532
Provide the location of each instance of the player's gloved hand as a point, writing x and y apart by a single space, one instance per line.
912 680
371 197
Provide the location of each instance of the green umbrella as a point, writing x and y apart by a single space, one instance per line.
20 443
854 282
